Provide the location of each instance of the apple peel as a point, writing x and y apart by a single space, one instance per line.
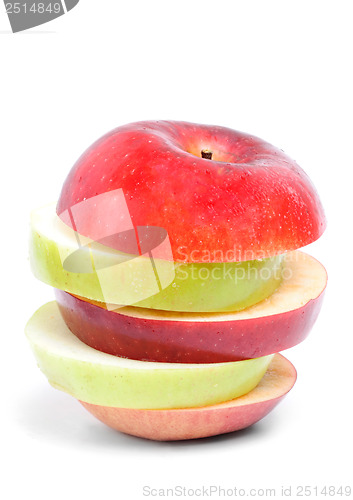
249 196
279 322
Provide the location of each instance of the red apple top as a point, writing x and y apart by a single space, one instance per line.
244 200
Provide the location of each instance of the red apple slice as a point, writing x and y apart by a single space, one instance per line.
281 321
192 423
248 202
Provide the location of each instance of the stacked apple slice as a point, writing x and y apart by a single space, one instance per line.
173 252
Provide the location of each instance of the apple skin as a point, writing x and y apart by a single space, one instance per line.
185 342
99 378
193 423
277 323
250 201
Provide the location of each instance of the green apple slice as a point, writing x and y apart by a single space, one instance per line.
103 379
66 260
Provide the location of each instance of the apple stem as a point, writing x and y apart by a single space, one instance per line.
206 153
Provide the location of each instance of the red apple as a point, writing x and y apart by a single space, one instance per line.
192 423
250 201
275 324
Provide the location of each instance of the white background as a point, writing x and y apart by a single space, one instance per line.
280 70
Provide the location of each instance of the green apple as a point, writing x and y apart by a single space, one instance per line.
103 379
68 261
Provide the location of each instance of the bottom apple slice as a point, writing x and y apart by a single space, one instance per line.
192 423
